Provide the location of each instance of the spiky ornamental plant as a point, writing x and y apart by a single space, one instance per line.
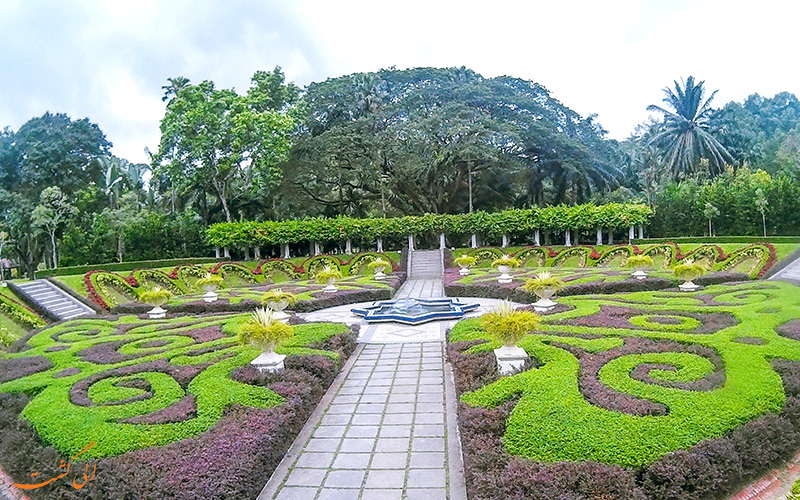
508 325
278 295
156 296
210 282
689 270
465 261
544 282
639 262
379 265
262 330
506 260
328 274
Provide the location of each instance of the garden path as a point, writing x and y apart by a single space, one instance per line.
790 273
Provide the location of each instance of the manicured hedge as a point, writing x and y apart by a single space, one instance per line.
671 409
124 266
718 239
515 221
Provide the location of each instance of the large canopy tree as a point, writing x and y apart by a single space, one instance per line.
225 141
685 136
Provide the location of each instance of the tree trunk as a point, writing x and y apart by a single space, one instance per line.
53 242
119 247
709 228
764 223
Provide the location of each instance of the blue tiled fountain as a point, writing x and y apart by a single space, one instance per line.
412 311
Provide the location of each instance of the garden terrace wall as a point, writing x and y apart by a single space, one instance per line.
124 266
559 219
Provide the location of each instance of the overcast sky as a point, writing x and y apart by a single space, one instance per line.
107 60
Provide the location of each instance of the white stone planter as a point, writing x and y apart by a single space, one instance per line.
268 362
639 274
210 295
689 286
504 276
544 303
510 359
464 271
331 287
277 307
157 313
379 275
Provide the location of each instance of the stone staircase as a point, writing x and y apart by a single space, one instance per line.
56 301
426 264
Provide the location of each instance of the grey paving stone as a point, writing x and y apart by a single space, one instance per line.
341 399
315 460
430 407
398 419
372 494
386 367
346 408
335 420
404 389
430 398
382 375
385 478
366 419
431 380
359 375
431 366
427 444
429 478
385 382
428 430
296 493
337 494
356 445
426 460
306 477
429 418
392 444
375 389
374 398
430 373
406 380
431 389
389 461
351 461
399 408
351 390
402 398
370 408
322 444
396 431
345 479
426 494
362 431
330 431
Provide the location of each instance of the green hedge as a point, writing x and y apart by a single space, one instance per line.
719 239
516 221
125 266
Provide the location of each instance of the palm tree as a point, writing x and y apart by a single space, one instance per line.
684 137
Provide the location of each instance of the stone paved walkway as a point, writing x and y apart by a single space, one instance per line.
387 431
790 273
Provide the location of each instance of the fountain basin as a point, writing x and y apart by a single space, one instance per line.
414 311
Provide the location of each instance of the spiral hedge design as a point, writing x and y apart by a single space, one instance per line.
128 384
626 379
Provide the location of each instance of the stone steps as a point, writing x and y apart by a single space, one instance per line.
426 264
57 302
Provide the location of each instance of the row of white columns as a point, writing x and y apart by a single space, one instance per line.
316 248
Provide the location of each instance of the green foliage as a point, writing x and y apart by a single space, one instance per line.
68 425
553 420
465 261
278 295
264 331
155 296
6 337
328 274
639 261
19 314
507 325
515 221
379 265
544 281
212 281
690 270
794 493
506 260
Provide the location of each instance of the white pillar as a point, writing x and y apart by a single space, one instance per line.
575 240
227 253
631 234
348 247
536 238
246 253
317 249
410 242
257 251
610 236
567 239
285 250
641 231
505 241
380 245
474 241
599 236
442 243
216 252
